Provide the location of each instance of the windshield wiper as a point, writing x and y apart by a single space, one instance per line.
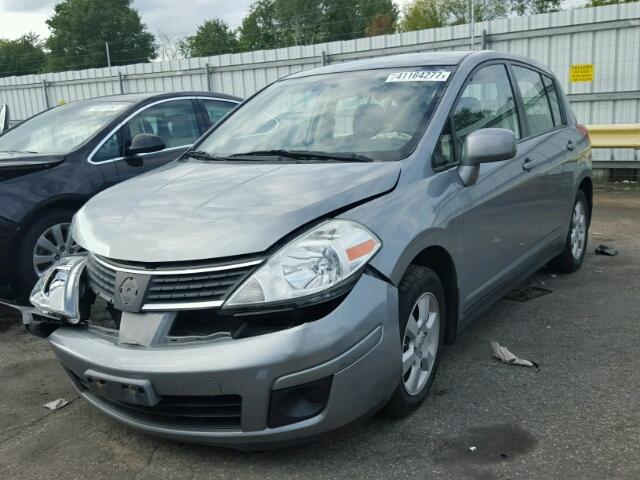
307 155
202 155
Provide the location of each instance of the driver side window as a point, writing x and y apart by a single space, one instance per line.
487 101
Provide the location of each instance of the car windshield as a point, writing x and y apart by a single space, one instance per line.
376 114
61 129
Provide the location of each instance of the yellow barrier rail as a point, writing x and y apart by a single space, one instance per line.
623 135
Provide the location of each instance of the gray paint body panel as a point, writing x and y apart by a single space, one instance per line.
507 224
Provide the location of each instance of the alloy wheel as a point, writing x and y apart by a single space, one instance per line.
420 343
54 244
578 230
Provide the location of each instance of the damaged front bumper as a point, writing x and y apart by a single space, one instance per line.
251 392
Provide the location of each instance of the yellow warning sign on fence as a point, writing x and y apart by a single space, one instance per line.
581 72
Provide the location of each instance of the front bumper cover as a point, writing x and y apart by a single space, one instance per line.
356 344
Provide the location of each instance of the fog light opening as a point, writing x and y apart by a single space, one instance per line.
294 404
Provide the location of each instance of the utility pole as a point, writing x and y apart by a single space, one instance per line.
106 46
471 27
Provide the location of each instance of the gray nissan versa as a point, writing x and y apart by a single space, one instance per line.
303 263
55 161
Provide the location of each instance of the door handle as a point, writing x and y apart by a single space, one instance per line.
528 164
571 145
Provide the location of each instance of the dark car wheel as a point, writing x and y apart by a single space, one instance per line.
422 321
45 241
575 248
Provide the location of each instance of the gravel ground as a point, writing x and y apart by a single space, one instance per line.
577 417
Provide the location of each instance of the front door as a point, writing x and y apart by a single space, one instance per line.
174 121
501 223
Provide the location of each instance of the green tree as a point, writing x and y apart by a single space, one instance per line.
531 7
375 17
80 28
299 22
214 37
282 23
599 3
423 14
22 56
258 28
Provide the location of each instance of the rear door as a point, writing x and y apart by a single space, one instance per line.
501 223
173 120
546 148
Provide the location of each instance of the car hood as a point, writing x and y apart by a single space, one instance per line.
14 160
194 210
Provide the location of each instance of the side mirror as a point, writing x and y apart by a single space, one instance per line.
483 146
4 118
145 143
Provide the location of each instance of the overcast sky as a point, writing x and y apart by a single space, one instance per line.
179 18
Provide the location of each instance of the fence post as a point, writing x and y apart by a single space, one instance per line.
324 59
46 94
207 72
484 39
121 82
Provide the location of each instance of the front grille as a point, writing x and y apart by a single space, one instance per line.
208 286
195 412
189 285
101 278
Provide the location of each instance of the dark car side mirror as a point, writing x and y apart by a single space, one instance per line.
483 146
145 143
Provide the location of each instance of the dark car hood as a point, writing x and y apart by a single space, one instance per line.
15 164
15 160
195 211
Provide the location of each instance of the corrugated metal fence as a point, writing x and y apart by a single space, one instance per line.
608 37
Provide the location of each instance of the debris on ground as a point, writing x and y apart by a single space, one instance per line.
56 404
527 293
505 356
606 250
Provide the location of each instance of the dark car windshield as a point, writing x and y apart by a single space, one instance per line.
375 113
61 129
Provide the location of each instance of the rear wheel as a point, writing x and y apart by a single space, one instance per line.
575 248
45 241
422 313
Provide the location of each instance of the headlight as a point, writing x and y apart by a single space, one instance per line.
57 292
316 261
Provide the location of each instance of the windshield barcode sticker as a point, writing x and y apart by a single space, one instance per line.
419 76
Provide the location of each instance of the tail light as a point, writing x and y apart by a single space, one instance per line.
584 131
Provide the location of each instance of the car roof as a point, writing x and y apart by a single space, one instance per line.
452 58
144 97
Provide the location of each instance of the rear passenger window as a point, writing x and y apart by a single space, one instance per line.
552 95
537 108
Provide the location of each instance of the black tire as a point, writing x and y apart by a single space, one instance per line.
25 277
417 281
566 262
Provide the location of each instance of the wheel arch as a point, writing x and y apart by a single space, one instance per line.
71 201
586 185
439 260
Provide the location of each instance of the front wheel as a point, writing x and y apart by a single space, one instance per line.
422 321
44 242
575 247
